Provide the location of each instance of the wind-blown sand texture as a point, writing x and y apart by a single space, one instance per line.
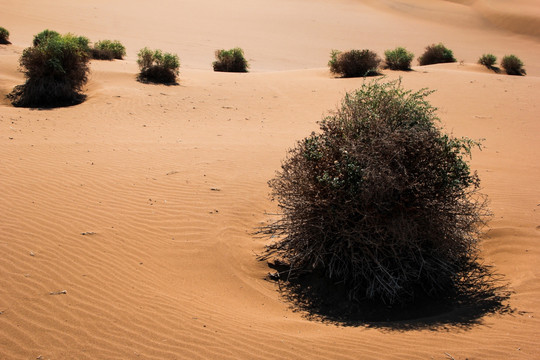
141 202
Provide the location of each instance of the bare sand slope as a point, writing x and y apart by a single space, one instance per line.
141 202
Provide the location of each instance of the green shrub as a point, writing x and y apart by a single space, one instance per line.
230 60
379 201
108 50
158 67
55 70
512 65
4 36
488 60
435 54
44 36
354 63
398 59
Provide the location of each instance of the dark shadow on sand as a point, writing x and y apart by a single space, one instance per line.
321 300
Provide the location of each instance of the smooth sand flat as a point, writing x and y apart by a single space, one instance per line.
142 201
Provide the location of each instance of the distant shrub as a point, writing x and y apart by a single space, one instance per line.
380 201
488 60
44 36
435 54
354 63
4 36
512 65
158 67
230 61
108 50
398 59
55 71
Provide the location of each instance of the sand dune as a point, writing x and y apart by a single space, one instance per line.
141 202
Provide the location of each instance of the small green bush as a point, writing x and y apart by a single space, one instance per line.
488 60
398 59
512 65
354 63
44 36
4 36
436 54
108 50
380 201
55 70
232 60
158 67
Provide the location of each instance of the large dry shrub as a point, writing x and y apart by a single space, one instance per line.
354 63
380 200
56 69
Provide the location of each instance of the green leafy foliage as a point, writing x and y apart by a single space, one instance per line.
398 59
158 67
380 200
108 50
354 63
436 54
488 60
56 69
231 60
4 36
512 65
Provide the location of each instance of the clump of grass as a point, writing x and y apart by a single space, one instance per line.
380 201
436 54
108 50
231 60
158 67
512 65
4 36
398 59
488 60
354 63
56 68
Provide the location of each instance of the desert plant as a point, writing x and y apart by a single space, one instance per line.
512 65
158 67
488 60
55 71
44 36
380 201
231 60
108 50
398 59
354 63
4 36
435 54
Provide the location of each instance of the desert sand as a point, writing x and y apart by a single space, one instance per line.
142 202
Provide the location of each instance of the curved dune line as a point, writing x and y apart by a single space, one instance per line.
515 20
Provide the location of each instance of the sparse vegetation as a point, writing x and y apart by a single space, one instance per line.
380 201
232 60
435 54
158 67
398 59
56 69
108 50
354 63
512 65
4 36
488 60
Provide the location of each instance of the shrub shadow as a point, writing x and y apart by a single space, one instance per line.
322 300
